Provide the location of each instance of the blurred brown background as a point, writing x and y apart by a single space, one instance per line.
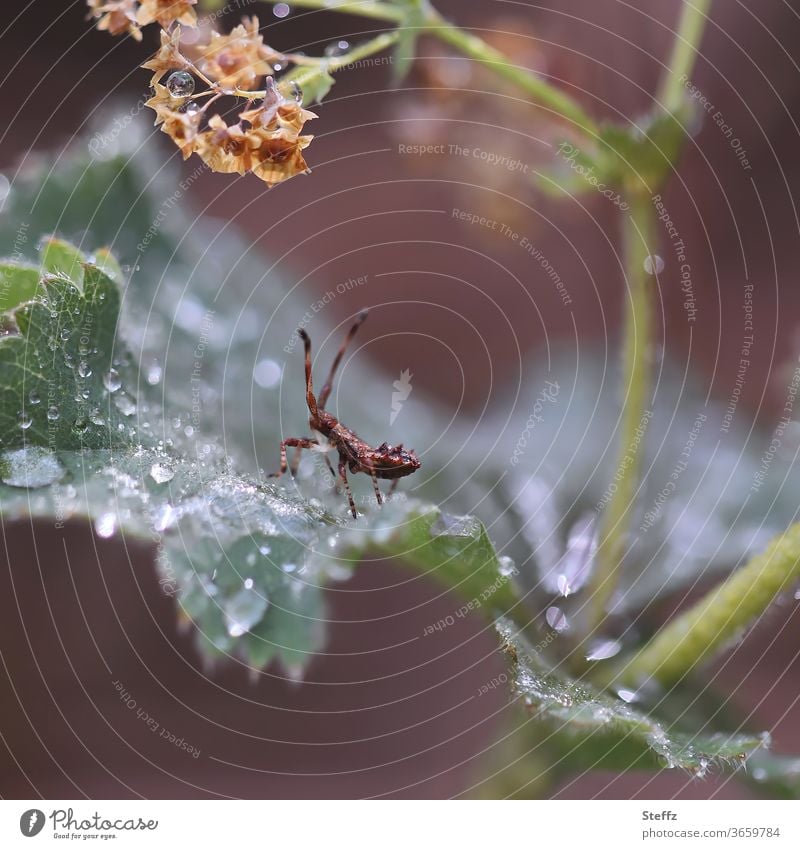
385 712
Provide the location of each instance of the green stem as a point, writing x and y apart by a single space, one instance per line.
638 244
540 90
720 617
364 9
640 241
361 51
684 53
476 48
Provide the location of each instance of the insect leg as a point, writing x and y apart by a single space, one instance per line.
333 473
378 495
343 476
293 442
393 487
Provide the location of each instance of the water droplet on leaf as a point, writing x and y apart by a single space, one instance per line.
161 473
105 526
30 468
111 380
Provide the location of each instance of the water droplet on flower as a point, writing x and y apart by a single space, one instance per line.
556 619
161 473
653 264
180 84
281 10
337 48
111 380
53 413
105 526
267 373
24 420
84 370
191 107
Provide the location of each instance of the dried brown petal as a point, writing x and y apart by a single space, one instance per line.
237 59
116 16
169 56
167 11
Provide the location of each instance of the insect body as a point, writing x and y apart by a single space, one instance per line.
388 462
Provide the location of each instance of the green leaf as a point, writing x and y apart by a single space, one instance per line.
63 259
56 368
592 729
314 82
18 284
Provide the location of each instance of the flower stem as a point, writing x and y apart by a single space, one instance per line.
540 91
684 52
721 616
638 245
364 9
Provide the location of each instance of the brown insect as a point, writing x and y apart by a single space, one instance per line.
390 462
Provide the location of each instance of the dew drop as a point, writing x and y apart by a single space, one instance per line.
64 334
281 10
289 568
111 380
627 696
154 373
180 84
30 468
243 611
291 91
161 473
34 397
337 48
84 370
653 264
248 583
267 373
556 619
105 526
191 107
125 404
53 413
506 566
96 417
604 649
24 420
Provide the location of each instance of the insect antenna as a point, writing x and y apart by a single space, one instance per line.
326 389
310 399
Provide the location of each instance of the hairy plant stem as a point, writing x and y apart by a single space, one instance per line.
684 52
364 9
638 238
540 91
720 616
470 45
639 242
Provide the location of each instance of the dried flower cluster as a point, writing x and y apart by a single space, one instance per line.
266 138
